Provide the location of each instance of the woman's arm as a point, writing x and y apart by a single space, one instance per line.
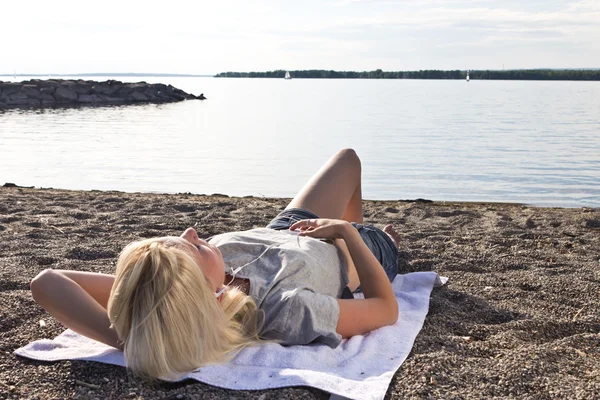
379 307
78 301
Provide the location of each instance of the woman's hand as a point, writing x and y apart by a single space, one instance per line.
321 228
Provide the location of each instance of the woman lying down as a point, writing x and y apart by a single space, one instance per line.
180 302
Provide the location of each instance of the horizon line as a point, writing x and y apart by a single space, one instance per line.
312 69
107 74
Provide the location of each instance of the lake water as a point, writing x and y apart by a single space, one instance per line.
503 141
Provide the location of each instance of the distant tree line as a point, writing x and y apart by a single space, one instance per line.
512 74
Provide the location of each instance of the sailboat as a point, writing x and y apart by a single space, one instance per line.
287 75
468 79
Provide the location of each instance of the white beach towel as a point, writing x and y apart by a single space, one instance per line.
361 367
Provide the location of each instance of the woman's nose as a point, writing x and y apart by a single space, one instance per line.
190 235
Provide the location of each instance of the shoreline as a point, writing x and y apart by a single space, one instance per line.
517 318
10 185
535 74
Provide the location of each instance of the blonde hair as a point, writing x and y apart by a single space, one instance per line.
167 316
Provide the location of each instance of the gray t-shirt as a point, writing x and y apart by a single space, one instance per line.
294 279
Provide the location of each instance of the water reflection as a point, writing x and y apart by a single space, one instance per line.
530 142
59 109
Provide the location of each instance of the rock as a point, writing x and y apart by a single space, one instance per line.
592 223
111 100
124 92
529 223
64 94
150 91
31 91
81 89
41 93
201 97
47 89
103 89
88 98
11 88
177 96
47 99
137 96
17 99
162 94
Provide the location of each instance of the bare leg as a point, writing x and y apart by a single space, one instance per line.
354 211
396 238
78 305
334 191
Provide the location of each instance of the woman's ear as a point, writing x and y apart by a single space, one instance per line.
220 293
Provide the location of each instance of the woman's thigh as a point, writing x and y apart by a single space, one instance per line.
329 191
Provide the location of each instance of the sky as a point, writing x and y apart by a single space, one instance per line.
207 37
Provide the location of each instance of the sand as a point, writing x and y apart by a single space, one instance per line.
519 317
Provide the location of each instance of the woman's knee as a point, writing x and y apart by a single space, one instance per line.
349 157
42 281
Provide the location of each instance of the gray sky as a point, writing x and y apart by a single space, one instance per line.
206 37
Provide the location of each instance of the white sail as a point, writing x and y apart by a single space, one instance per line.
287 75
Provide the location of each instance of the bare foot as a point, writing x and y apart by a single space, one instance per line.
389 229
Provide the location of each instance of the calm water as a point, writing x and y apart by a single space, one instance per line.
511 141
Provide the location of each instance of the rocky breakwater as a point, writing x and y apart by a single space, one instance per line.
58 92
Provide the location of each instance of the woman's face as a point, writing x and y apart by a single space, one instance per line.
207 256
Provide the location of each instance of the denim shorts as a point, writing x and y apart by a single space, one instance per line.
380 244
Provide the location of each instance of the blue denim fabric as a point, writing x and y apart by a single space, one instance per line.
289 217
380 244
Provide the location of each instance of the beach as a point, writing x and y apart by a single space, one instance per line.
519 316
